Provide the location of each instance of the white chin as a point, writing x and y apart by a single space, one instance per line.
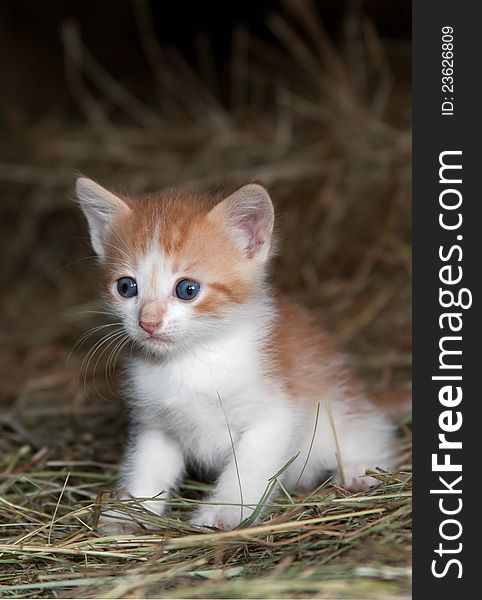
158 346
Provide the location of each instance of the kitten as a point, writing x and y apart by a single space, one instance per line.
234 377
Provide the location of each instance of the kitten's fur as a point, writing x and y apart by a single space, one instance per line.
239 365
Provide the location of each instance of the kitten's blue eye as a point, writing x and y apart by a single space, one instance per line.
187 289
127 287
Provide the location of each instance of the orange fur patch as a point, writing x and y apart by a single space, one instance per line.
199 247
298 343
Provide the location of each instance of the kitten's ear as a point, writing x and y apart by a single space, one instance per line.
101 208
248 214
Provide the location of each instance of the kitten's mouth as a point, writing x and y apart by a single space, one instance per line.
158 338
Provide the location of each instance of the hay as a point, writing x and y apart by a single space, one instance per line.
329 136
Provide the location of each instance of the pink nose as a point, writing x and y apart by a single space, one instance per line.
149 326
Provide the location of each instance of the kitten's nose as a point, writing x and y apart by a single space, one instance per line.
149 326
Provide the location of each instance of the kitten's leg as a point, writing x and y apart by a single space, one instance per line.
260 453
153 464
366 440
349 437
351 475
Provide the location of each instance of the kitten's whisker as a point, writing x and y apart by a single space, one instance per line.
112 342
90 354
112 350
79 260
74 262
92 330
98 312
115 357
88 334
113 339
111 360
96 327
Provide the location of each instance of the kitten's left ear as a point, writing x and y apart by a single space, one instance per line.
101 208
248 214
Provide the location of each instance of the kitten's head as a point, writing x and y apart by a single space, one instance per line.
178 268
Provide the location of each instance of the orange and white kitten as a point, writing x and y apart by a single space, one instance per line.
233 375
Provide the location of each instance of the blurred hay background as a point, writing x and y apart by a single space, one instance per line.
326 127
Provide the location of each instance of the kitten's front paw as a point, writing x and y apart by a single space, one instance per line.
119 522
355 479
115 522
220 517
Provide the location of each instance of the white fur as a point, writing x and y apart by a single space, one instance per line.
189 399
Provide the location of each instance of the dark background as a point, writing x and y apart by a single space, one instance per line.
31 56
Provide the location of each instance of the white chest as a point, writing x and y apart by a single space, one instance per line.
195 397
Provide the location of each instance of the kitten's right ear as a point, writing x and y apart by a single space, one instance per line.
101 208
